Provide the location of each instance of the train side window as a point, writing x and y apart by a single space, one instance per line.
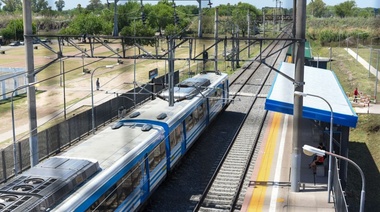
219 92
195 115
189 123
119 191
175 136
213 99
156 156
178 133
201 111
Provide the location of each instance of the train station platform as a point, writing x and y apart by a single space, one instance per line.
269 187
323 101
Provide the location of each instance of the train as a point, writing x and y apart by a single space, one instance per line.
119 167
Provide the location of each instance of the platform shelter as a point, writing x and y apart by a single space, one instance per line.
323 83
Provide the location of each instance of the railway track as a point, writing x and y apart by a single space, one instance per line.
212 175
225 190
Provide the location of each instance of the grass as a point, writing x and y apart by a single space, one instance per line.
364 145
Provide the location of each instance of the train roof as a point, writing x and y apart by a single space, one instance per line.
109 145
319 82
185 93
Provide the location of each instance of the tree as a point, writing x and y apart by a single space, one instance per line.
127 13
39 5
345 9
90 24
60 4
239 15
160 15
317 8
138 29
95 5
15 30
12 5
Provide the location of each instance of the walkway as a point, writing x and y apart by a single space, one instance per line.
269 189
364 108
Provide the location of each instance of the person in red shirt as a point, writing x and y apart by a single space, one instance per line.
356 94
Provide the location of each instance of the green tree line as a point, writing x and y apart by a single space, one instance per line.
164 17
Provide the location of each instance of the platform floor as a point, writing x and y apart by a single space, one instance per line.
269 189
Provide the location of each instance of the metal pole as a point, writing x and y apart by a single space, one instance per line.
362 196
249 34
171 72
29 58
339 39
134 63
294 30
370 60
318 61
15 161
64 90
330 52
92 103
200 18
298 102
115 27
377 73
216 39
263 22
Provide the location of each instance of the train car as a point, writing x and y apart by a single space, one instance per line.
129 160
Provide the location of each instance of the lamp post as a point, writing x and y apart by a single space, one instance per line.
377 73
330 54
92 96
297 93
15 160
309 150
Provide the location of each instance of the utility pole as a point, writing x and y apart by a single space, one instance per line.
29 58
216 39
115 27
281 15
171 70
298 100
249 33
199 18
237 53
294 29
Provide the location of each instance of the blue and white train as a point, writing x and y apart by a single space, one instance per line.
118 168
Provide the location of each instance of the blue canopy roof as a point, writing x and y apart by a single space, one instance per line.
319 82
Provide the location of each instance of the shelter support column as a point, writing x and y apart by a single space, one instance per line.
344 152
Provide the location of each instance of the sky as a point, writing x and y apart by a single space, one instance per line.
70 4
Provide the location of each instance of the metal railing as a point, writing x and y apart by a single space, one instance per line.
338 192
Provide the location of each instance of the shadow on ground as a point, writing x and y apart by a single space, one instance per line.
360 154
